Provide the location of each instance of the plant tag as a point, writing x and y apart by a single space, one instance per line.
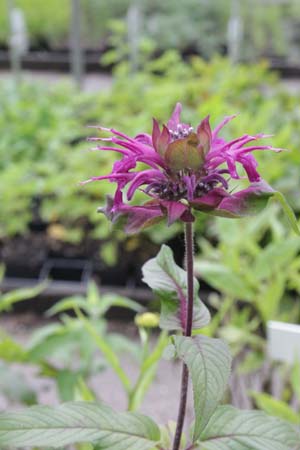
19 36
283 341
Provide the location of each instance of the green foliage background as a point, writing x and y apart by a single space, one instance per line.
269 27
44 156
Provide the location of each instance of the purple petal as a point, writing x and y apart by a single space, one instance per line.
232 167
249 163
142 216
175 117
222 124
174 210
144 177
211 200
190 182
137 216
261 147
246 202
124 165
112 149
144 138
155 134
142 150
110 177
215 177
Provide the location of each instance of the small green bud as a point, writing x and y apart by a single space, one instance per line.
147 320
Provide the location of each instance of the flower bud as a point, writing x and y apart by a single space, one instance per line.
185 154
147 320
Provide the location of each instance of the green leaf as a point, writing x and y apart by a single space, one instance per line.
169 282
270 295
224 279
67 304
109 300
83 392
147 372
295 377
66 383
94 304
209 364
14 386
10 350
102 303
77 422
2 271
59 343
7 300
288 211
276 256
275 407
234 429
109 355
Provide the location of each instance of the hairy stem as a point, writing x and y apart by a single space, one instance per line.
189 255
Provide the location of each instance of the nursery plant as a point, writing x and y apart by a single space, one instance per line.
8 299
269 27
258 275
51 348
39 180
189 171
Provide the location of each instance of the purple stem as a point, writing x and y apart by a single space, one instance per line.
189 255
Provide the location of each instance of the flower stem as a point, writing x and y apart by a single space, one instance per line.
189 255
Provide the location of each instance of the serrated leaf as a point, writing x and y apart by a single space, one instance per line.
77 422
209 364
169 282
230 428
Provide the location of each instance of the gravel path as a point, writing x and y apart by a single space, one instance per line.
92 82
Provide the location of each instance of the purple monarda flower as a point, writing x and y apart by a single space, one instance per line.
188 169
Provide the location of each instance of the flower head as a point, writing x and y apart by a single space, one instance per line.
187 169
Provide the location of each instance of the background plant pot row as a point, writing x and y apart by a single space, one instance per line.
59 60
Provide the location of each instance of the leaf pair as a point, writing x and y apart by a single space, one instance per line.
209 363
224 427
75 422
208 360
228 429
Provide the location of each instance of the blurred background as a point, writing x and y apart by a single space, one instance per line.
67 64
